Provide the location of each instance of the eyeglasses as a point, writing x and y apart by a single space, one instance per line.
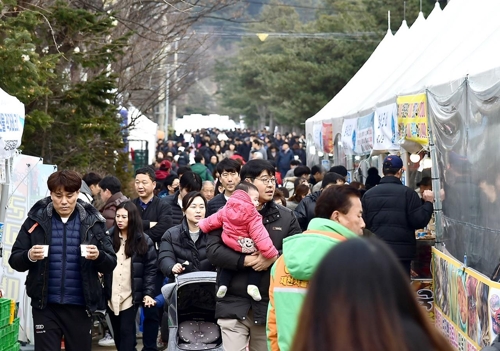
266 180
229 174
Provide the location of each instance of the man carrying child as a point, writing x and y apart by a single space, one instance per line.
241 318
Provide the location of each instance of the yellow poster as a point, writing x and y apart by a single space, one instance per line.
412 118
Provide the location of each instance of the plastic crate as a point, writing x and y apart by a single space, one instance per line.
9 335
4 312
14 347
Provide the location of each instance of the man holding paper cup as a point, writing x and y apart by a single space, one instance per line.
62 282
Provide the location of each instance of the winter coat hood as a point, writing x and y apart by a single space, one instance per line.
303 253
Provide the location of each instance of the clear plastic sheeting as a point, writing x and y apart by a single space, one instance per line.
466 128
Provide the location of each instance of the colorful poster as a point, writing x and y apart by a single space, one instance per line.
364 135
385 131
327 136
412 118
349 135
467 301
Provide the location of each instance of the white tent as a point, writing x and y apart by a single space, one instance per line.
197 121
451 44
142 129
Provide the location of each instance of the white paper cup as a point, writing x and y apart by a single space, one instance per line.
45 250
83 248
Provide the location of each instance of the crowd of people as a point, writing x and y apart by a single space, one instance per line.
297 250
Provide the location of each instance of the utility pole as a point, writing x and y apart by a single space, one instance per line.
176 67
167 100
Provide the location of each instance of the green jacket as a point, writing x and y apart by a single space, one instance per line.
202 171
290 277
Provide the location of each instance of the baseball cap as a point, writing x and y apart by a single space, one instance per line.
393 161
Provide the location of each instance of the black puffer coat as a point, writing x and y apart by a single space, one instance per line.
178 247
280 223
173 201
305 209
37 230
393 212
143 272
216 204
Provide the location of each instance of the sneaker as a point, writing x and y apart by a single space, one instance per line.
107 340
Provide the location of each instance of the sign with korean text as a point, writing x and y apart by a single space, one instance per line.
349 135
385 131
364 135
11 124
412 118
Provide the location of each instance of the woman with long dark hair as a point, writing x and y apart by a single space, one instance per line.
359 299
183 247
133 280
301 191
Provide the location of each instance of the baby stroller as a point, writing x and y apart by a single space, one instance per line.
189 317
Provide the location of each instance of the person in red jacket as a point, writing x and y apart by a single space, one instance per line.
242 231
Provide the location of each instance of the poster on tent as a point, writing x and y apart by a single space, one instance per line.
349 135
364 135
466 303
385 131
317 136
28 185
327 137
412 118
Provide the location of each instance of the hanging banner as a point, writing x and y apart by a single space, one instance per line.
385 131
412 118
317 137
467 304
364 135
349 135
327 137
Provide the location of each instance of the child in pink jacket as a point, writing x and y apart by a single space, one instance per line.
243 231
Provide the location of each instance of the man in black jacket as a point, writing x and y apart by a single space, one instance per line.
393 211
190 181
156 217
63 286
229 178
304 212
242 320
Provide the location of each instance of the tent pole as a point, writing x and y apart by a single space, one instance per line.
4 201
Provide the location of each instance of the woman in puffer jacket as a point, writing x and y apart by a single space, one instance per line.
183 248
133 280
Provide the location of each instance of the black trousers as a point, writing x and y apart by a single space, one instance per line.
152 318
406 266
253 277
124 328
55 321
